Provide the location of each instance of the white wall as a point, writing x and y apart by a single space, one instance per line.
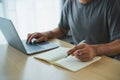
32 15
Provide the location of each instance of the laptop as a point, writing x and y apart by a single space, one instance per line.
12 37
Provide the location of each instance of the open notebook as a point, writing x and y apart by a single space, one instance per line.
58 57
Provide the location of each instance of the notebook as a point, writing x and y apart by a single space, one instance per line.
58 57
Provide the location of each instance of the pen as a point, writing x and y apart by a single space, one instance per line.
83 41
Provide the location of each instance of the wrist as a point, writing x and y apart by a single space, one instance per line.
100 49
49 34
45 36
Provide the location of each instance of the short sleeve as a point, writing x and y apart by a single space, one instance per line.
64 16
113 19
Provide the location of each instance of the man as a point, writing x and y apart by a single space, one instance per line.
96 21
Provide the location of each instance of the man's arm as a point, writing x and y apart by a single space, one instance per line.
86 52
109 49
57 32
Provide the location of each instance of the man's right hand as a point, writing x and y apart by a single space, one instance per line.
38 36
57 32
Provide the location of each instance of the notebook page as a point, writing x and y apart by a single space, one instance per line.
73 64
53 55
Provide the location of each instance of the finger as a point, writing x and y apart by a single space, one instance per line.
81 46
84 59
34 35
76 53
28 36
81 55
79 52
71 51
76 48
84 56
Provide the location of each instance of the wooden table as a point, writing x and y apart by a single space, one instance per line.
14 65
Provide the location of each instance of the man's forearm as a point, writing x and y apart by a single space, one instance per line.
109 49
55 33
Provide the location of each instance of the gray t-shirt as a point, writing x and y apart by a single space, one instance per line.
96 22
